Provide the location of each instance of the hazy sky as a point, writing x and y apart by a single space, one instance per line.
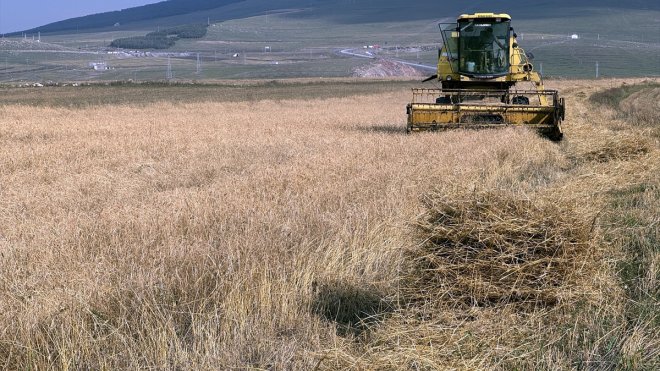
18 15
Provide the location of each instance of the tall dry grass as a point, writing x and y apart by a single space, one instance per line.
302 234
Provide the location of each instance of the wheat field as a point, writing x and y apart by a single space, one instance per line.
315 234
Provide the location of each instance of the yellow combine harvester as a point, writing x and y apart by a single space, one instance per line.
478 67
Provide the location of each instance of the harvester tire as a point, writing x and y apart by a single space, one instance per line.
555 134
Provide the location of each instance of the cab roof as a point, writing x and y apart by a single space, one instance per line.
485 15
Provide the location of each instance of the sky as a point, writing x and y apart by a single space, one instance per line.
19 15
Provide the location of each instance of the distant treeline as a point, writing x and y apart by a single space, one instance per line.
162 39
143 42
137 14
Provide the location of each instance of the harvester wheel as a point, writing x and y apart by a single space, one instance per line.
555 134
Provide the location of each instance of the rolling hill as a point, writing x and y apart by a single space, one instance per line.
173 12
305 39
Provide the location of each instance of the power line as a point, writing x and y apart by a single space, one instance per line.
168 75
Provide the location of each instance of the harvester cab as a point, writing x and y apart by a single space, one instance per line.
479 66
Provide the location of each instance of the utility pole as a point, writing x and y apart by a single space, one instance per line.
199 65
168 75
597 70
541 68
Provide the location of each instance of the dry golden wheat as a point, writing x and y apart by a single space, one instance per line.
278 235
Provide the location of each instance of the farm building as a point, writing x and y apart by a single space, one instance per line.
100 66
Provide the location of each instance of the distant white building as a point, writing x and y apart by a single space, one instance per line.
575 36
100 66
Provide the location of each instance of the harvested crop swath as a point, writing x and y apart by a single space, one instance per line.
623 148
489 248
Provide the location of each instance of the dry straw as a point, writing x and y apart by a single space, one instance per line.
488 248
303 233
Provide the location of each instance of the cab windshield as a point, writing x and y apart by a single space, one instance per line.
483 47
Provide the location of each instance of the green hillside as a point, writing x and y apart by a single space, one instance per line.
303 38
337 11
